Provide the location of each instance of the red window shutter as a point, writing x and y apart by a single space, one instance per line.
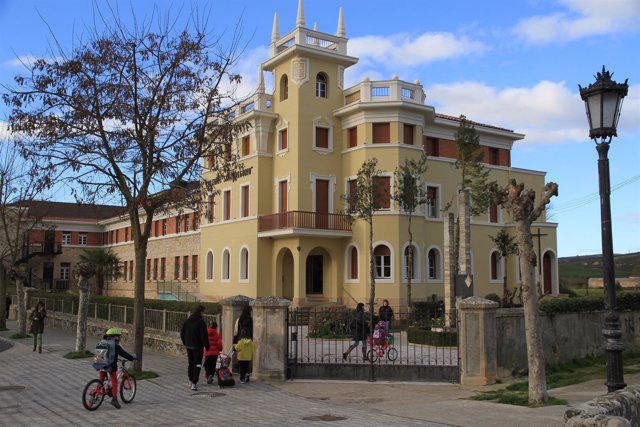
353 137
246 145
245 201
408 134
322 137
381 133
283 139
354 263
381 198
352 193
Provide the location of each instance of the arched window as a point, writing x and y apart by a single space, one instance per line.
225 264
382 262
410 262
321 85
352 263
244 264
284 87
209 266
433 264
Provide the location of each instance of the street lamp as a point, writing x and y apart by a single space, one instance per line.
603 100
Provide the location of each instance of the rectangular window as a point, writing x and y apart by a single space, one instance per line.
493 211
322 137
353 137
66 237
212 204
178 224
163 268
194 267
65 270
381 197
130 270
125 270
176 268
196 221
246 145
164 227
282 140
244 208
126 234
381 133
185 267
382 262
155 269
432 202
432 146
187 222
494 156
408 134
82 238
226 205
352 187
148 268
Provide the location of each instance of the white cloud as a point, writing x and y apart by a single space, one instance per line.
410 50
583 18
548 112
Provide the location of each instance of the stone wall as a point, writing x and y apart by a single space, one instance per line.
565 337
625 282
620 408
166 342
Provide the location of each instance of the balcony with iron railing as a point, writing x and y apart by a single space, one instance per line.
304 223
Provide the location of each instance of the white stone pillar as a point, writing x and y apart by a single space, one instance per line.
270 338
231 309
477 338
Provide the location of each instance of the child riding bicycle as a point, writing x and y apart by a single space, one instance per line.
113 334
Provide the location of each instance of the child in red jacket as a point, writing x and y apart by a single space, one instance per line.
211 355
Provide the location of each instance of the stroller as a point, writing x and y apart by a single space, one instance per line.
223 373
381 343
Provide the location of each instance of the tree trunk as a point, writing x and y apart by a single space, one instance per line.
22 307
372 296
83 312
535 354
410 266
505 289
138 303
3 297
99 283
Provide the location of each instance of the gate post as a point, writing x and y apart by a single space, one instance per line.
270 338
477 335
231 310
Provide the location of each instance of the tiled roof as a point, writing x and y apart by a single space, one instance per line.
457 119
46 209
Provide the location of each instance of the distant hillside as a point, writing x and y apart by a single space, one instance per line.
574 271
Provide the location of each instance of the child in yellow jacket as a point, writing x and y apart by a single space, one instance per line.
244 347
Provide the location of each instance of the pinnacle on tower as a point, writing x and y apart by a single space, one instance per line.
341 32
275 31
300 18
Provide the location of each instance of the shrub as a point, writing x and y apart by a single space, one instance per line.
494 298
423 313
418 335
330 322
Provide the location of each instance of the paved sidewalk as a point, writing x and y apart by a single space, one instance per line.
46 389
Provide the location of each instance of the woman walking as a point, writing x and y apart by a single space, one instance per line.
37 325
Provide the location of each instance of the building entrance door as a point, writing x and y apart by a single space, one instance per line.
322 203
314 274
47 275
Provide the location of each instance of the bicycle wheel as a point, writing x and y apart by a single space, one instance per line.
128 388
92 395
372 355
392 354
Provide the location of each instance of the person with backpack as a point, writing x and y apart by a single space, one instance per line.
244 347
211 355
195 338
359 328
107 352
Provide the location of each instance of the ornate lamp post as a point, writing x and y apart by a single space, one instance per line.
603 100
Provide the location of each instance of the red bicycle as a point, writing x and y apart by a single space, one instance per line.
95 391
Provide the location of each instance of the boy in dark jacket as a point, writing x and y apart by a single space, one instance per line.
195 339
114 334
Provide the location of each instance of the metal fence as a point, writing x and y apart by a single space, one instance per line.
161 320
322 336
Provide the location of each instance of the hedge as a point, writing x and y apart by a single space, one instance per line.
419 335
626 301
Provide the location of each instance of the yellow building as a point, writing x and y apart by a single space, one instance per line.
277 229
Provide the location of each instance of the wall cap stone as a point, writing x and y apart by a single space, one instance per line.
619 408
477 303
270 301
236 300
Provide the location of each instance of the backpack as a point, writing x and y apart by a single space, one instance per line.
225 377
105 352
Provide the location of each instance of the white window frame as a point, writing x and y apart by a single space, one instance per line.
66 237
416 263
226 206
332 187
322 88
347 275
439 265
242 201
324 123
243 264
499 267
429 208
389 278
277 182
225 266
65 271
282 125
209 273
83 239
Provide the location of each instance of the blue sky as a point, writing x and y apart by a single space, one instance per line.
517 67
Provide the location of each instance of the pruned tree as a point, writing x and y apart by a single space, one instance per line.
126 115
106 264
84 271
523 209
366 196
16 190
473 175
410 194
507 246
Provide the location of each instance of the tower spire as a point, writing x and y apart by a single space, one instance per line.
341 32
275 32
260 88
300 18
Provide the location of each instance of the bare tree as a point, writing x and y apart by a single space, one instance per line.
363 200
410 194
16 190
521 206
127 114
